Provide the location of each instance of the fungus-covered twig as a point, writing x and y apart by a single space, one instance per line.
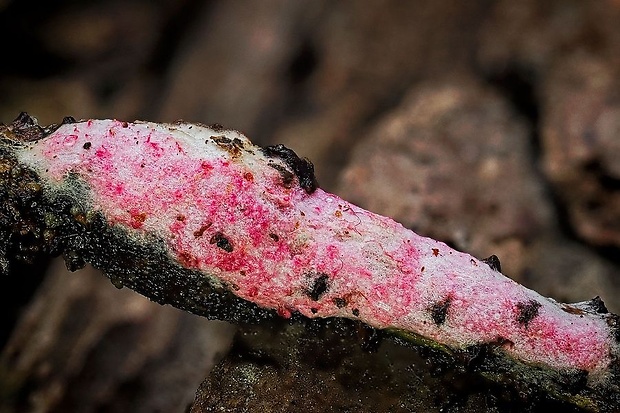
198 217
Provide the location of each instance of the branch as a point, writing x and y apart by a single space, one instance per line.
197 217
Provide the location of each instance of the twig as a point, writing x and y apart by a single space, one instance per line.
198 217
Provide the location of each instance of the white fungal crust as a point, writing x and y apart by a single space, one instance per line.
254 219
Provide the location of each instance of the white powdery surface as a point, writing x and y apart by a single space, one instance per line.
226 209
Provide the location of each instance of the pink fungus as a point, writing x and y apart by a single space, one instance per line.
254 219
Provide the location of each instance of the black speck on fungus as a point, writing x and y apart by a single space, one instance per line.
302 167
221 241
340 302
598 305
439 311
527 311
493 263
221 140
319 287
232 146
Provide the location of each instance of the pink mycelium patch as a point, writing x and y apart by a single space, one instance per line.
224 210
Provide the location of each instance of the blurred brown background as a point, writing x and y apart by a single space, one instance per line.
491 125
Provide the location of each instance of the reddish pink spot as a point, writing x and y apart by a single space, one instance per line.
70 140
206 166
332 252
137 218
284 312
187 259
231 261
115 188
154 148
176 227
103 153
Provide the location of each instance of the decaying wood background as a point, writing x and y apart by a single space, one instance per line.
491 125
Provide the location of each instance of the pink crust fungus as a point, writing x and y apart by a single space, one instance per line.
254 220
